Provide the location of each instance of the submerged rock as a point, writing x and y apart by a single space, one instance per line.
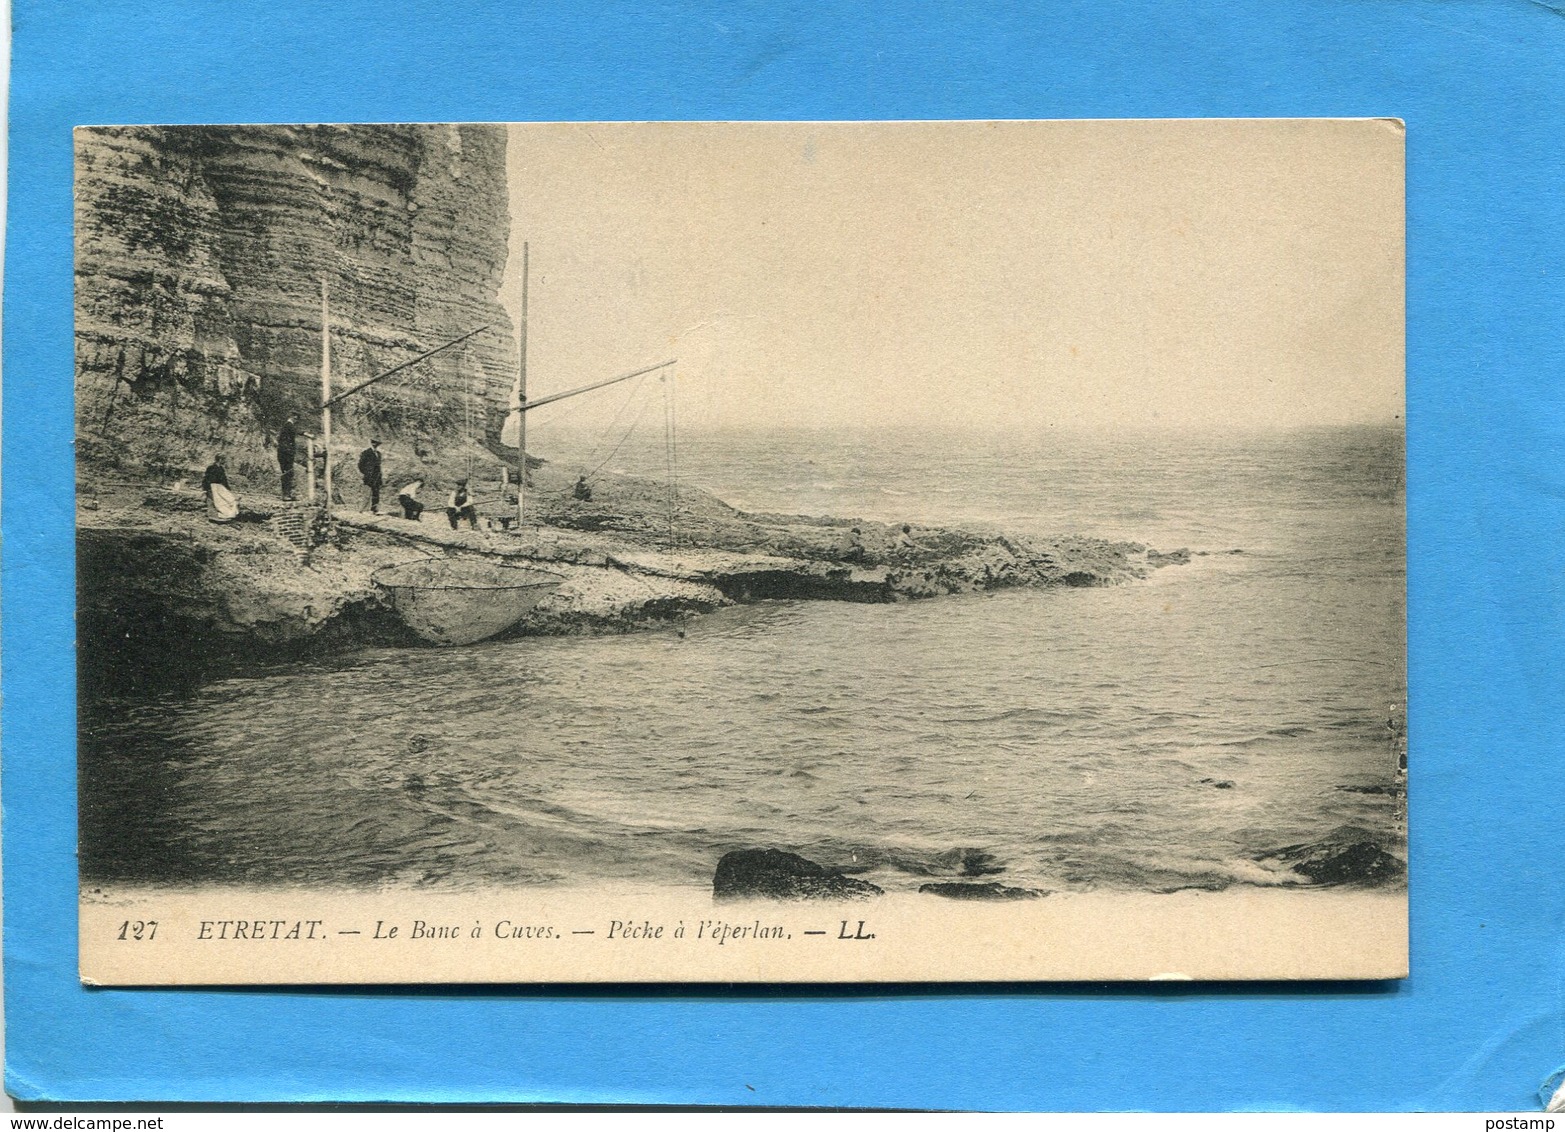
964 861
984 890
1348 856
970 862
777 875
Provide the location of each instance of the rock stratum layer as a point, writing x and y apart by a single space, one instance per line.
200 254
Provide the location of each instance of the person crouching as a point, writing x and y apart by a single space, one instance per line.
408 498
460 506
221 506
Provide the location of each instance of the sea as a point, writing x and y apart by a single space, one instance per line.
1159 735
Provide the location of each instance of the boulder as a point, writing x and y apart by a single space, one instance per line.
1348 855
1362 862
772 874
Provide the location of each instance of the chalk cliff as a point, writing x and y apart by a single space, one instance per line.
199 259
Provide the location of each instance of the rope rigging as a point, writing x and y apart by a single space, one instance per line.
570 411
475 418
670 450
592 475
670 442
612 425
591 467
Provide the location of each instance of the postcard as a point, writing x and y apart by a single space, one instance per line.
741 552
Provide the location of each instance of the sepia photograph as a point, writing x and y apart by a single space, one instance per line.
741 552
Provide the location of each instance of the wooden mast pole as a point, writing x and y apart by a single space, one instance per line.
326 391
521 436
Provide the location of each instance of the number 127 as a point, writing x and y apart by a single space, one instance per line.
138 929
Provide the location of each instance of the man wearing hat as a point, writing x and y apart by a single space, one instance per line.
369 468
460 506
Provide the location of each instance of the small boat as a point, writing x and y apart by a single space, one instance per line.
461 602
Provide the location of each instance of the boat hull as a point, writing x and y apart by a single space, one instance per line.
449 602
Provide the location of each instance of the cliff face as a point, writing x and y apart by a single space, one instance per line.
200 252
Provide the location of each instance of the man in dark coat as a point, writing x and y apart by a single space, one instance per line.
369 468
287 447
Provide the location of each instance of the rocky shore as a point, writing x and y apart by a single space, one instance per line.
1346 857
164 593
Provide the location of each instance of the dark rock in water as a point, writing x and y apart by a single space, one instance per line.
1180 557
1350 855
1363 862
986 890
776 875
1217 783
960 862
1376 788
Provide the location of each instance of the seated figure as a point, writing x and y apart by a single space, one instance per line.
408 498
461 506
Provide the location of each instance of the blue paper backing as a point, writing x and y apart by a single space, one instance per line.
1479 1023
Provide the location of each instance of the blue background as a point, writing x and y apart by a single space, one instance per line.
1481 85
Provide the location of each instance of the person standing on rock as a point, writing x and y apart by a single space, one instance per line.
369 468
287 448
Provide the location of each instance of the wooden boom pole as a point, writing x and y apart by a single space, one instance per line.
329 400
553 397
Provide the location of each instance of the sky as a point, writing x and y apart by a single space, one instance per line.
968 275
